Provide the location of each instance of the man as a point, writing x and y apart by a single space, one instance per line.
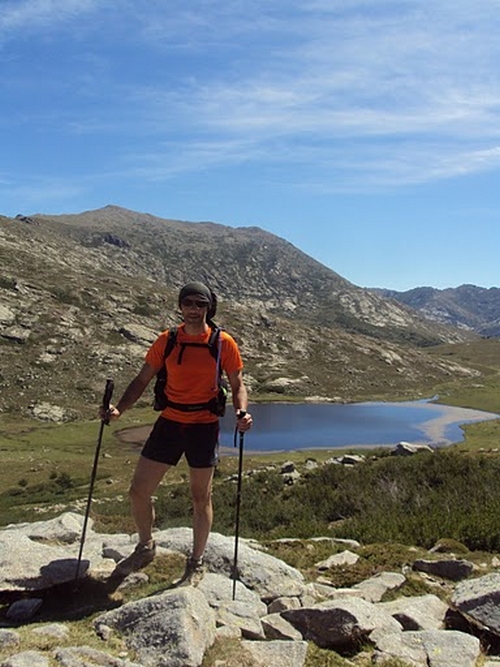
186 426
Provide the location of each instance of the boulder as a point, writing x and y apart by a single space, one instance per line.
408 449
172 629
337 560
277 653
270 577
430 648
447 568
85 656
27 659
276 627
423 612
374 588
479 600
340 624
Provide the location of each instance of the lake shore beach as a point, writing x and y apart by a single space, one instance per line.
445 416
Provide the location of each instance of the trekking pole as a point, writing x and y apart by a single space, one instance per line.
108 392
238 503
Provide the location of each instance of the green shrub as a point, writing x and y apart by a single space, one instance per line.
418 500
64 481
408 500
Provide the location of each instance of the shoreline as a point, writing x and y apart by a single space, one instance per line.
435 428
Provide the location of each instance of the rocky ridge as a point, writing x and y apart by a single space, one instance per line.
467 307
82 296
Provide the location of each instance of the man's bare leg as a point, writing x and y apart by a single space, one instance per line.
147 476
201 495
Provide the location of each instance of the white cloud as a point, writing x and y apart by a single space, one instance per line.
376 91
361 71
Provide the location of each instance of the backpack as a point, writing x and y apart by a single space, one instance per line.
216 405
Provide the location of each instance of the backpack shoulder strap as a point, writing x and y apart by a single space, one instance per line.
170 343
213 341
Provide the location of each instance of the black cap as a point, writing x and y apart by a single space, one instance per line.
200 290
195 288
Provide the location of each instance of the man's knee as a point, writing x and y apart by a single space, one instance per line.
138 493
201 498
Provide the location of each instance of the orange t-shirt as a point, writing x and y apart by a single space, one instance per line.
195 379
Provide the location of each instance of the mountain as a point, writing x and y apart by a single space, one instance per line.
467 307
83 295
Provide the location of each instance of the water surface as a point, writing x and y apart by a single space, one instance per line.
286 426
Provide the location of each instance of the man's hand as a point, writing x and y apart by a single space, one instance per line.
111 414
133 392
244 421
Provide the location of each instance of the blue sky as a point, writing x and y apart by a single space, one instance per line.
366 133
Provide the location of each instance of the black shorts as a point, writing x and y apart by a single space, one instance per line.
169 440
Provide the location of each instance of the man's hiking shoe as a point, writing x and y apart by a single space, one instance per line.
193 574
141 556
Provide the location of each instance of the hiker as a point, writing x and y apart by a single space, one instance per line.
189 424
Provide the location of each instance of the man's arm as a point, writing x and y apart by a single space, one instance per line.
133 392
240 400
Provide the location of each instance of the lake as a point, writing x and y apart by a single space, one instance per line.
287 426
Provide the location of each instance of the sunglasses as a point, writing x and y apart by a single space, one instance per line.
189 303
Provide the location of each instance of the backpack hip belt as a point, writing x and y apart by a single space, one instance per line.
193 407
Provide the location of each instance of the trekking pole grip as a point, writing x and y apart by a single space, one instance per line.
106 399
239 415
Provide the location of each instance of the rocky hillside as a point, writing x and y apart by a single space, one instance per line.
82 296
467 307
